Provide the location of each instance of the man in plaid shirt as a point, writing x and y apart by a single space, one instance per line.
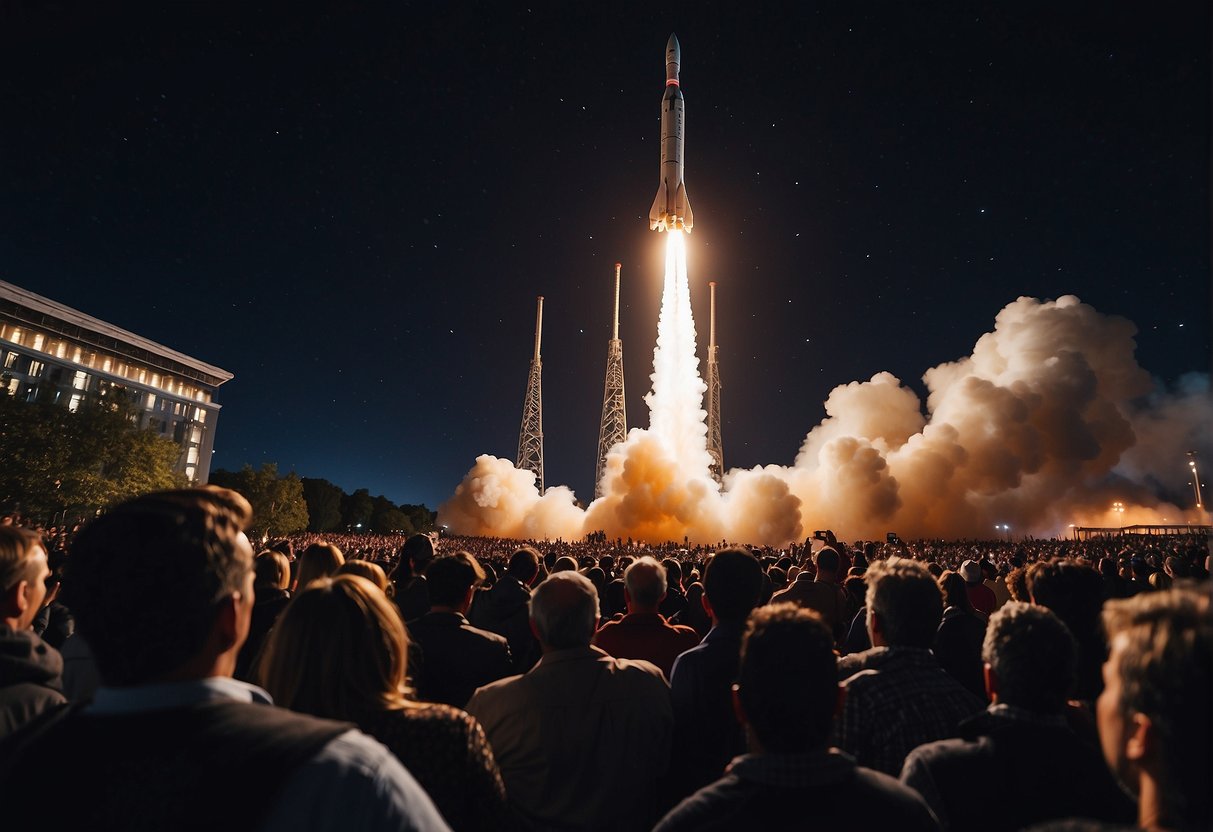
897 696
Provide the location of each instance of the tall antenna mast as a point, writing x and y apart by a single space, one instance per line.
613 426
715 445
530 436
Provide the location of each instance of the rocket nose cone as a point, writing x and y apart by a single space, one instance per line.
672 50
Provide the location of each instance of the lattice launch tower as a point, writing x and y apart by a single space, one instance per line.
715 446
530 436
613 427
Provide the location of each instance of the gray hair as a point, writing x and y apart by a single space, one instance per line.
645 580
565 610
1033 654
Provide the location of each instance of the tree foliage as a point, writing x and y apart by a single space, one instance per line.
54 460
323 504
279 507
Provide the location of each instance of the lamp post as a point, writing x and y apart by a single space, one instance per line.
1195 479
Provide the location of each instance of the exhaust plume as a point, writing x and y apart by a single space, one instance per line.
1044 426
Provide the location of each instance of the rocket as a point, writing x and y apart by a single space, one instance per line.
671 208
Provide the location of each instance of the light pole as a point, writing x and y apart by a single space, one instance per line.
1195 479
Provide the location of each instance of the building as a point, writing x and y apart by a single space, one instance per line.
52 352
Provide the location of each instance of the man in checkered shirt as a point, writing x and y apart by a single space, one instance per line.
897 696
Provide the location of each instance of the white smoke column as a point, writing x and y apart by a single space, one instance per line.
657 484
676 414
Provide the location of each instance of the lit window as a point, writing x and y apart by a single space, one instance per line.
107 364
196 434
10 360
151 401
39 340
35 368
17 336
77 354
190 473
74 404
199 415
13 384
80 380
61 349
191 456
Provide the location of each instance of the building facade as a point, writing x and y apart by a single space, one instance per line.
51 352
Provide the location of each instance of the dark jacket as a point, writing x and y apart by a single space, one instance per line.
958 644
818 790
1051 772
505 610
30 678
454 658
268 605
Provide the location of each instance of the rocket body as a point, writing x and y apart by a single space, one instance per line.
671 208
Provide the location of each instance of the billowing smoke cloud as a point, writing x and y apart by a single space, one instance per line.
1048 423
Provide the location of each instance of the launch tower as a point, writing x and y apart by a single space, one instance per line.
530 436
715 447
613 427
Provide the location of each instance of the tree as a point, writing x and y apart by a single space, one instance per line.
56 460
279 507
323 504
357 508
422 518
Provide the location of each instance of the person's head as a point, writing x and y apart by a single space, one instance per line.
1017 584
1030 658
904 604
1154 715
827 563
970 570
373 572
1072 590
339 651
954 589
732 584
320 560
272 570
787 690
1160 580
565 564
645 584
161 587
452 579
524 565
564 611
417 552
23 574
673 573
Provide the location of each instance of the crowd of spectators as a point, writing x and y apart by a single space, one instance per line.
178 675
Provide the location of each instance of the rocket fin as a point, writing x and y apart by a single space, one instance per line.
657 214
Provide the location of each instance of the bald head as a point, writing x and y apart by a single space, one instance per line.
564 611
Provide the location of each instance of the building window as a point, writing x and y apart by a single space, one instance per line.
35 368
190 472
74 404
10 360
60 349
80 380
191 456
195 434
39 340
199 415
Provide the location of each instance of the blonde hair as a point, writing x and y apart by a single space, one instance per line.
320 560
373 572
339 650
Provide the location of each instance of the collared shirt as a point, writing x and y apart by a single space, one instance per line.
352 783
900 700
580 738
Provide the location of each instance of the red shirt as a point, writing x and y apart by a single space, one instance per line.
648 636
982 598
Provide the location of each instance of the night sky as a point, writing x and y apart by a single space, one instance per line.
354 211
